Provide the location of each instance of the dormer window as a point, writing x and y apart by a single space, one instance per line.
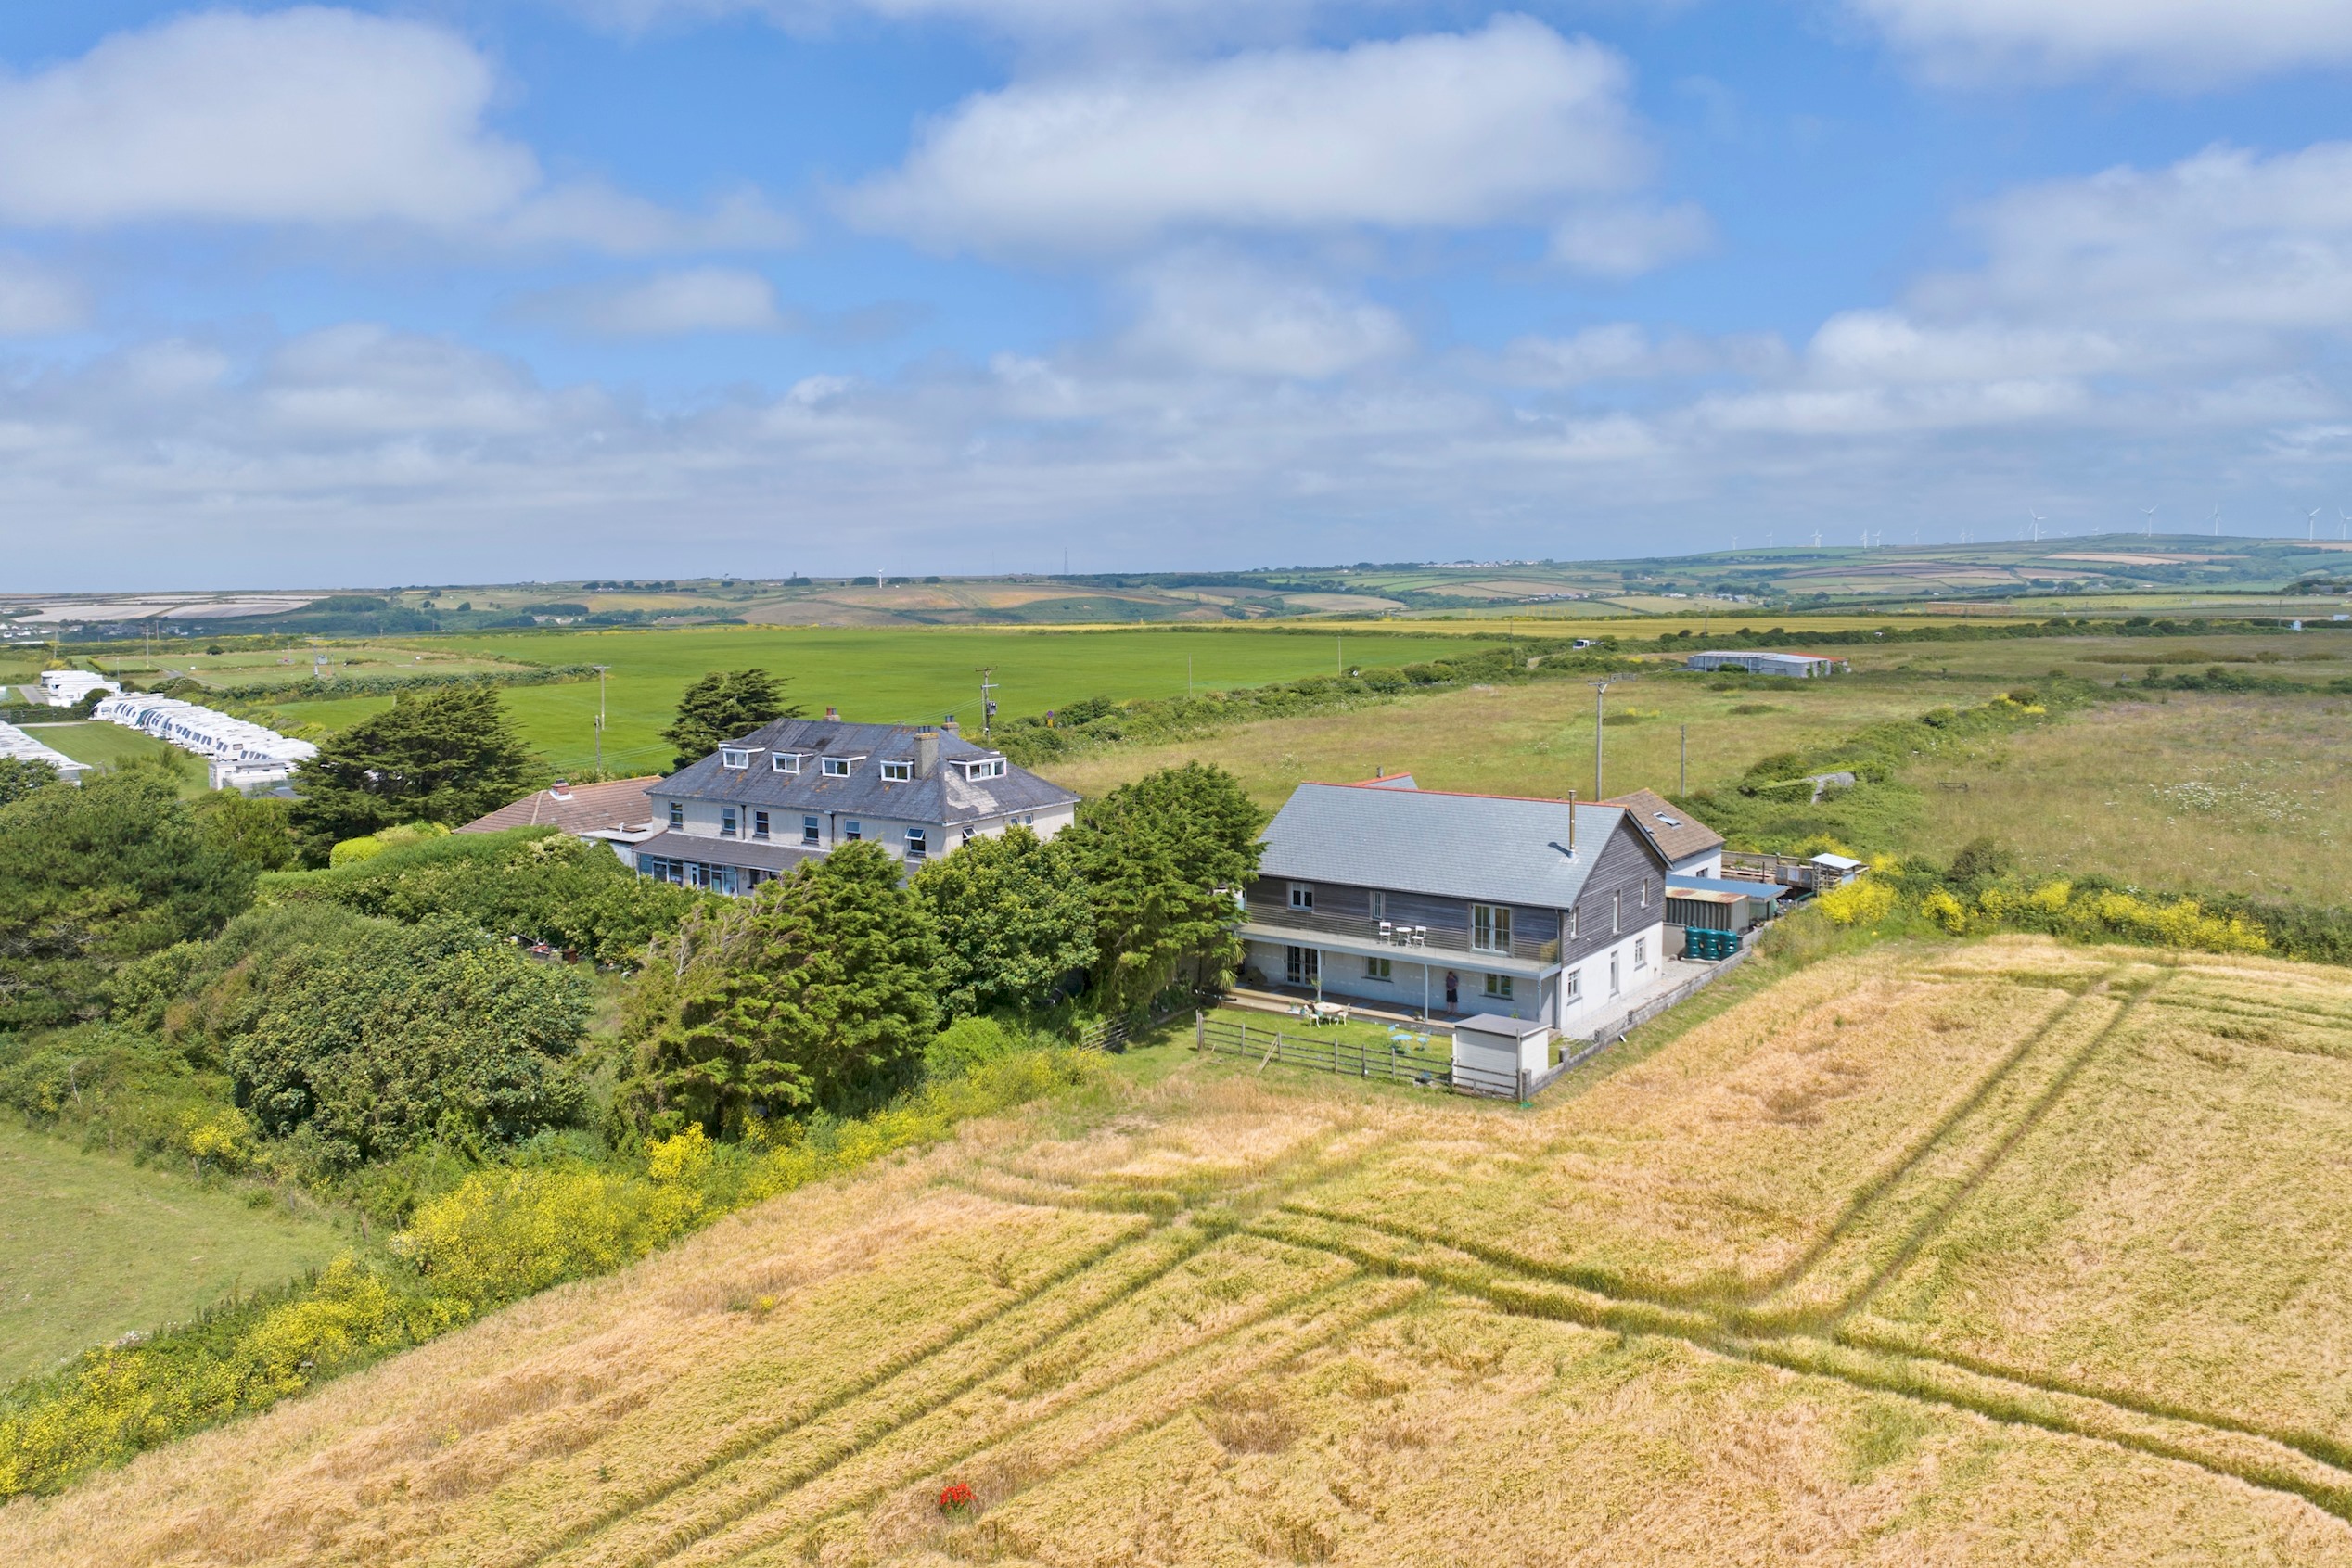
836 768
786 761
897 772
734 756
983 768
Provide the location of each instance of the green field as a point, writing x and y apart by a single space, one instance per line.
96 1247
877 675
110 745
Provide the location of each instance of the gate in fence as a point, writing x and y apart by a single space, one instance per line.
1396 1061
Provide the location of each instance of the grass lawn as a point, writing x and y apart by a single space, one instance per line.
886 674
93 1247
110 746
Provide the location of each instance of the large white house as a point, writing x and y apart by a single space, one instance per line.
801 787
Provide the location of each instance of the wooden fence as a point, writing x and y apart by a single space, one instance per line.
1325 1054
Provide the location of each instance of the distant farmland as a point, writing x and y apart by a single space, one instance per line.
886 674
2010 1253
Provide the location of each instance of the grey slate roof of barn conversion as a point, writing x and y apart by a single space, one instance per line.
1499 848
945 796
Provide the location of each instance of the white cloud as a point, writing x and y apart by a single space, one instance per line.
306 115
696 299
310 116
1438 131
2224 238
1627 352
1627 240
35 301
2181 43
1217 314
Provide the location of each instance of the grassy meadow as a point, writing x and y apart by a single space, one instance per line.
97 1247
1536 739
873 675
2003 1253
2245 793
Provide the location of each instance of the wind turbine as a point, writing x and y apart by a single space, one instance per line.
2037 520
2215 521
2311 524
2150 513
2343 523
1817 539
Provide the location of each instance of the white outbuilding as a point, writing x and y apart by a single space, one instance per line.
66 688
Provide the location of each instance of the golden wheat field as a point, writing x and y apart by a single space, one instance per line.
2003 1253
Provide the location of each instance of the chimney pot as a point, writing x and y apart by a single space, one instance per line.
833 715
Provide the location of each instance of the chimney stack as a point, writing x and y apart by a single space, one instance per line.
833 716
926 753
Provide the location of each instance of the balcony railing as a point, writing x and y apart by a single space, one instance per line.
1396 934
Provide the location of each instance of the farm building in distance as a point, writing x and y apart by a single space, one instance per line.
239 755
16 744
1756 662
798 788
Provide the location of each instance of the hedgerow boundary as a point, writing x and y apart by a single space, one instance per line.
477 1248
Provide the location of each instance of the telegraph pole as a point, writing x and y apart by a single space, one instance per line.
1599 697
600 718
988 705
1682 774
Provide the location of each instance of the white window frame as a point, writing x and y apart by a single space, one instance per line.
983 768
759 824
1617 912
1499 987
1640 952
1378 901
918 843
734 756
677 814
837 766
812 831
786 761
897 772
1572 985
1490 928
1302 896
853 832
728 820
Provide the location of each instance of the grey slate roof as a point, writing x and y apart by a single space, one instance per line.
946 796
710 851
1490 848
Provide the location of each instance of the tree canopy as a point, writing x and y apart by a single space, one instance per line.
1162 859
388 1036
95 877
1012 919
445 756
816 990
20 777
724 705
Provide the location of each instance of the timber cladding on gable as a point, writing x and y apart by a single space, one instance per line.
1627 867
1272 895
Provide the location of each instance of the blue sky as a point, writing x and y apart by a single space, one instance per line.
559 289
